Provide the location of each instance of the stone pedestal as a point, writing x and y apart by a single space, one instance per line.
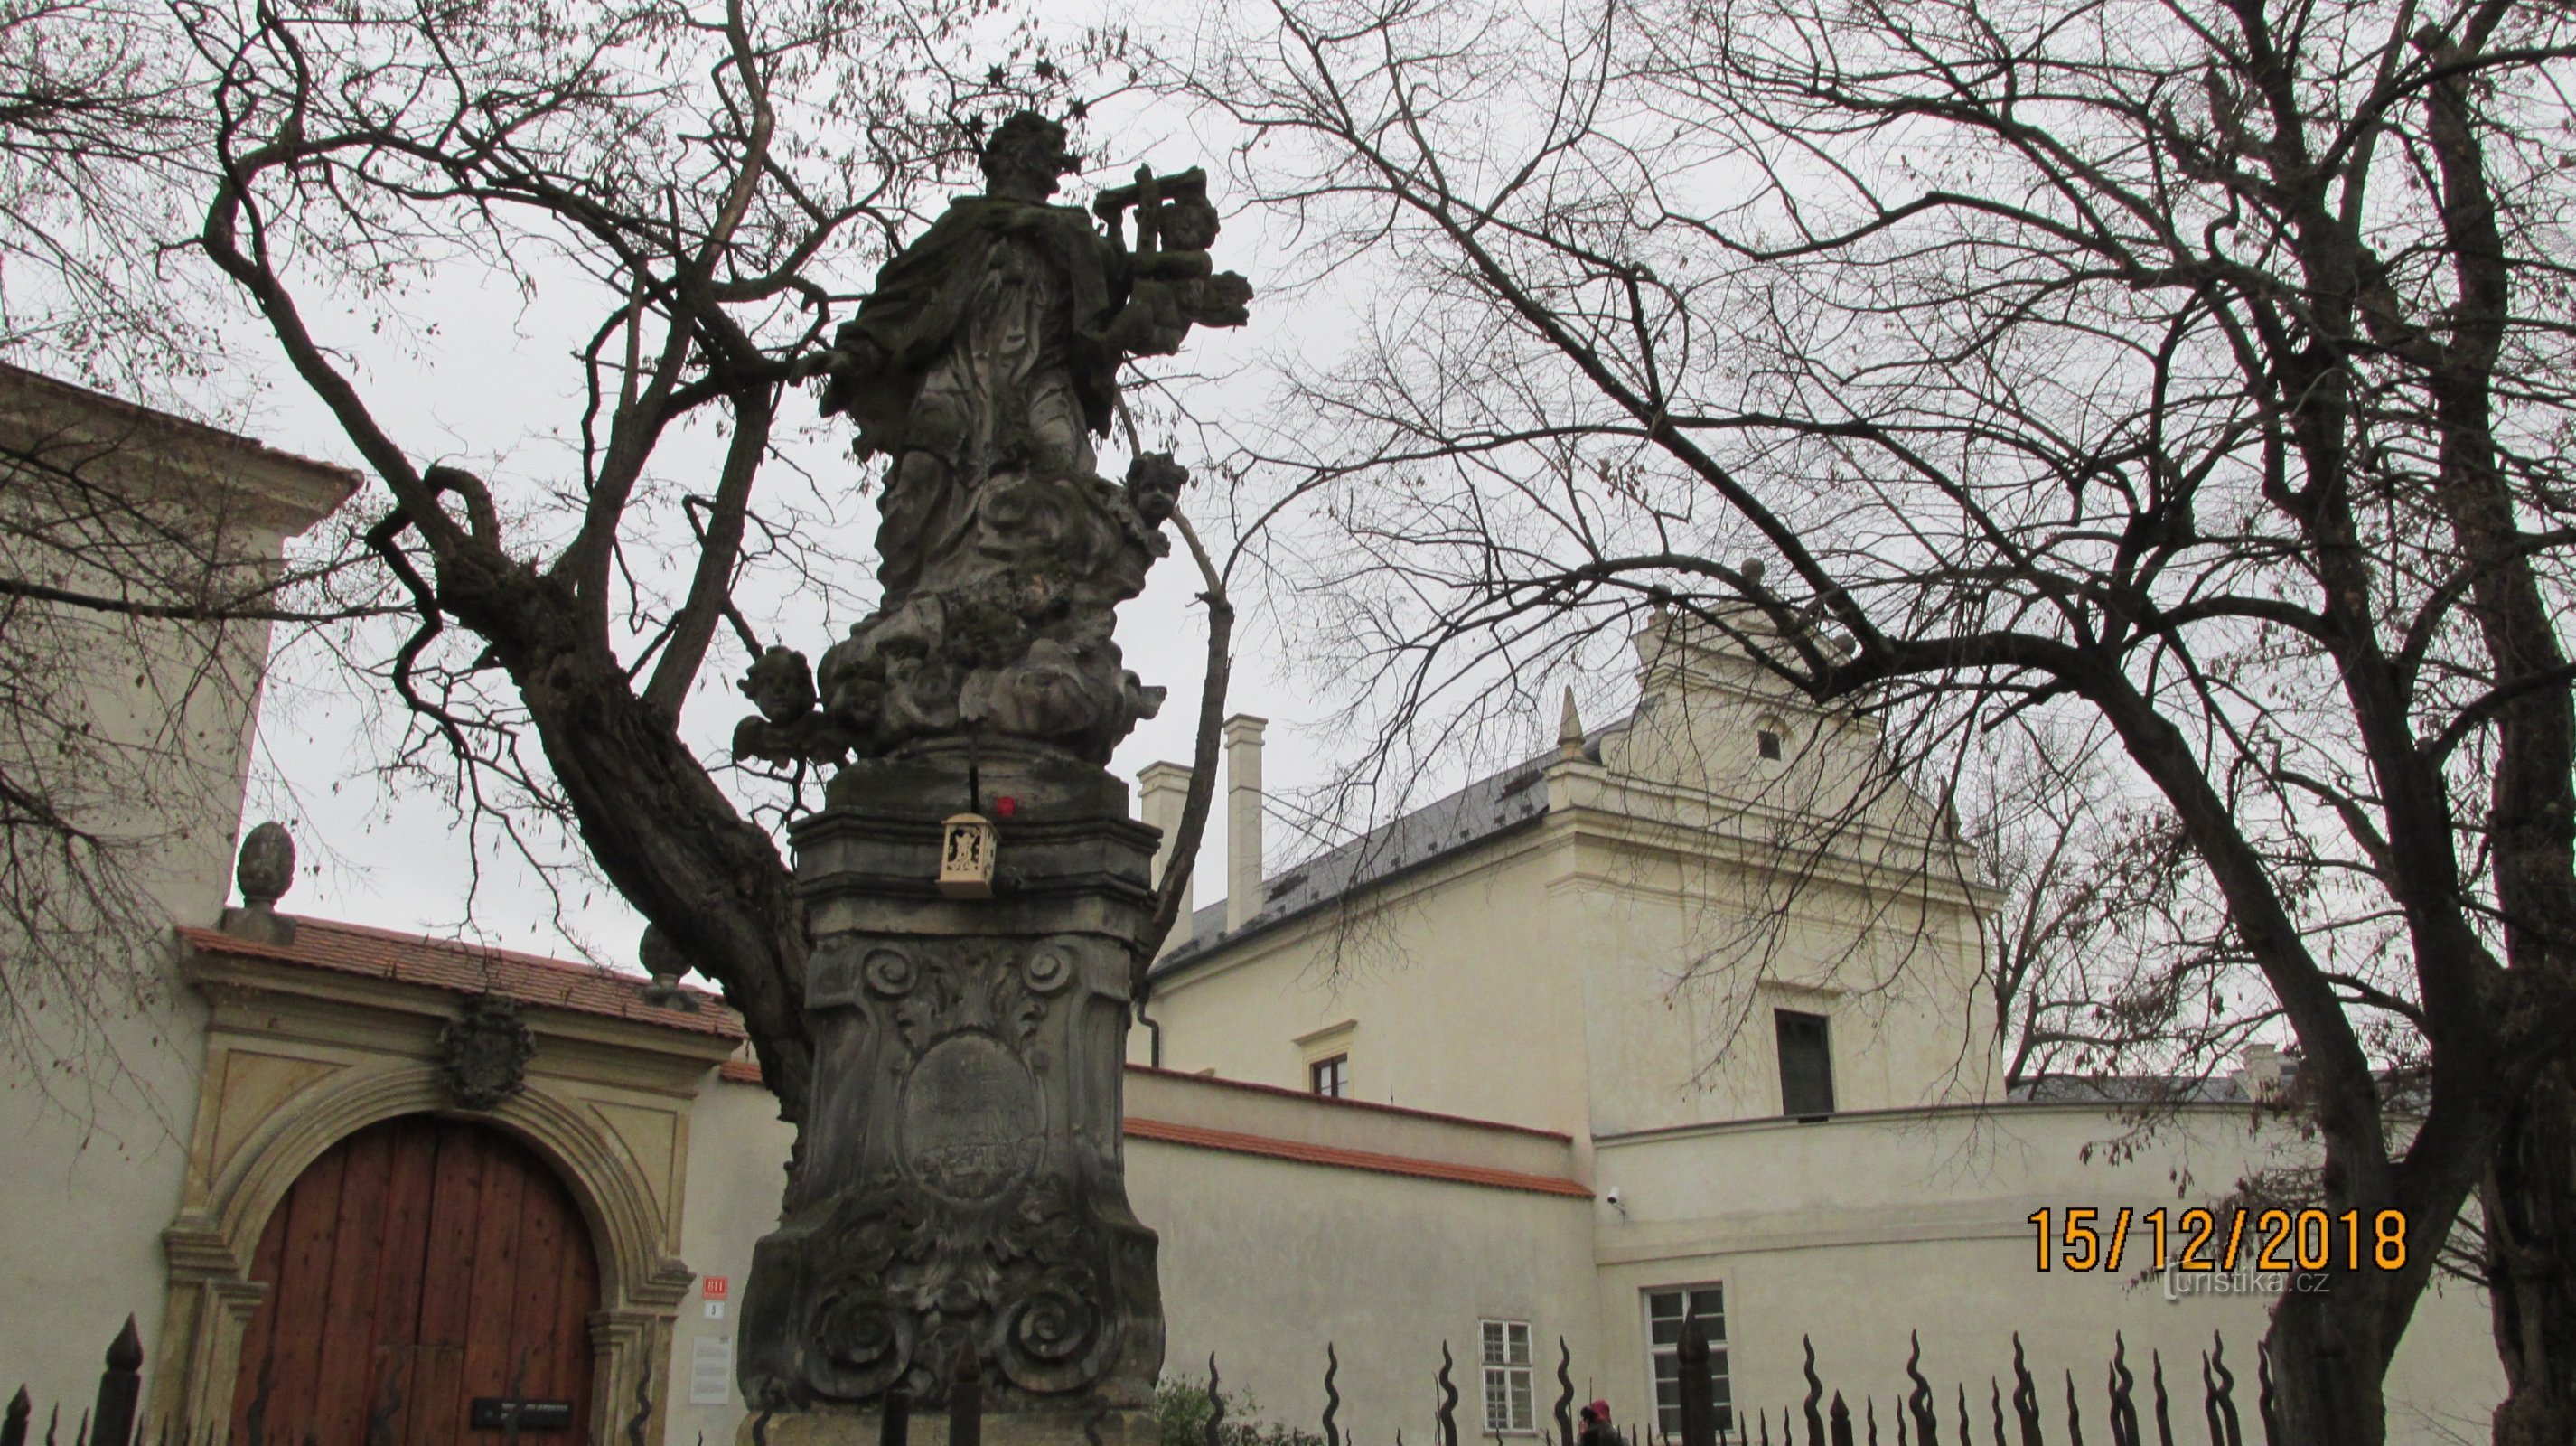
962 1184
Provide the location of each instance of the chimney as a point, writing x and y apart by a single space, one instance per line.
2263 1072
1243 897
1166 790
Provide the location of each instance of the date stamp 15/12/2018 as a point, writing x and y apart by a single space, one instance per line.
2276 1241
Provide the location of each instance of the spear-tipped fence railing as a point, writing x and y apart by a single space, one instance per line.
2013 1418
1829 1417
113 1418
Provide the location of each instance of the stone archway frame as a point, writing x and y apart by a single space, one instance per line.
212 1296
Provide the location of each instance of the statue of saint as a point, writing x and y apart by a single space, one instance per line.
981 366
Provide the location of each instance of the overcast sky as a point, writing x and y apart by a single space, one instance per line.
486 379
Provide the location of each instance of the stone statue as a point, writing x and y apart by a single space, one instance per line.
958 1210
980 367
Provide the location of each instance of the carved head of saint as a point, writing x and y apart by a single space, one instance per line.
1024 155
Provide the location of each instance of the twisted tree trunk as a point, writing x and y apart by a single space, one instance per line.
2530 1204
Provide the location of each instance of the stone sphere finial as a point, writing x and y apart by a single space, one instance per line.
661 959
266 866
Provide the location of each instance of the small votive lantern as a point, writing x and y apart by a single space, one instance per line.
966 848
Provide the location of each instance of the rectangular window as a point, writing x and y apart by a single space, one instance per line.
1806 1065
1508 1405
1330 1077
1665 1311
1767 743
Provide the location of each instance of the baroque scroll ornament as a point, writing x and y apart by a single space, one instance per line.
965 1239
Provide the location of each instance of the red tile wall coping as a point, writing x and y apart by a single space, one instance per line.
473 969
1264 1145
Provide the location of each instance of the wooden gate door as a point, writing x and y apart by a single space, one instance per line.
419 1264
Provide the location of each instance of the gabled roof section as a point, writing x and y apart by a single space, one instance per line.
466 969
1487 808
73 426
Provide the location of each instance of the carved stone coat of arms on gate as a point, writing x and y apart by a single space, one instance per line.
483 1053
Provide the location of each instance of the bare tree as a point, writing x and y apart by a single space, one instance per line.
100 156
714 177
2100 958
2202 365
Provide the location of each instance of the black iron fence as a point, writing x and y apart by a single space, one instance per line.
111 1419
1916 1416
108 1421
1919 1415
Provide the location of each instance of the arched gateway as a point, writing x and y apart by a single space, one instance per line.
418 1266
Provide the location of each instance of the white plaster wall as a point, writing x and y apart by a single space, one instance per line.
1264 1261
1465 993
95 1165
1691 961
98 1106
1858 1231
1261 1260
737 1168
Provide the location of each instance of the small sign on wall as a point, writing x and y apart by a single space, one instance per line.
711 1371
714 1289
504 1413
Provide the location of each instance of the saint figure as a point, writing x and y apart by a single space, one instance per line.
982 349
981 366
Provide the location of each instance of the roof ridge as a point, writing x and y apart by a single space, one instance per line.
426 939
158 416
458 966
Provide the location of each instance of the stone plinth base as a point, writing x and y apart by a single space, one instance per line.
962 1191
930 1428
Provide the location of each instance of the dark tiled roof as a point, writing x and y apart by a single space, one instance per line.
472 969
1488 807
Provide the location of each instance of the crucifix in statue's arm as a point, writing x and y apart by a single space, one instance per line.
1175 284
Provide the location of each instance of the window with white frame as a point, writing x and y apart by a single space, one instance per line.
1330 1077
1508 1405
1666 1308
